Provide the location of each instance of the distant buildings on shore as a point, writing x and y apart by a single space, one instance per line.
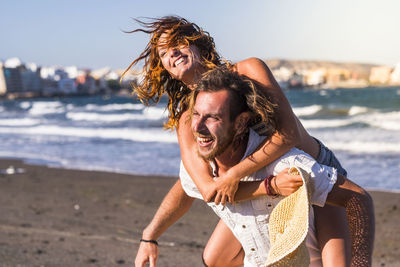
330 75
30 80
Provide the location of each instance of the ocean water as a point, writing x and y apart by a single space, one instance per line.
119 134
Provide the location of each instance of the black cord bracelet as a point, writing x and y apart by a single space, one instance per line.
149 241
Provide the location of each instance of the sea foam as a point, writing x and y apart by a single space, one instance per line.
114 107
307 111
363 146
19 122
42 108
135 134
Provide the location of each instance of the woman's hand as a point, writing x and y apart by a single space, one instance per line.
209 190
226 188
285 184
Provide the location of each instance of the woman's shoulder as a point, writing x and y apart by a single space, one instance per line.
249 65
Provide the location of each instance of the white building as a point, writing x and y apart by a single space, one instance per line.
380 75
316 77
48 73
72 72
395 75
3 84
12 63
100 73
67 86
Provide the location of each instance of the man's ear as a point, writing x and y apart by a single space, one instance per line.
242 121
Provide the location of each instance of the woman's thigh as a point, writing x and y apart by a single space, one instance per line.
223 249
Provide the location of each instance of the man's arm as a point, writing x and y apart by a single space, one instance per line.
360 214
175 204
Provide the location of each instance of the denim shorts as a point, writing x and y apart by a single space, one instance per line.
326 157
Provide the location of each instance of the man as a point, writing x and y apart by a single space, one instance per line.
220 117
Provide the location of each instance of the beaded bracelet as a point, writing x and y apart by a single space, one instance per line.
268 188
149 241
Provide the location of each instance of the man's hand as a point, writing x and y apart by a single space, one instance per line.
285 184
147 253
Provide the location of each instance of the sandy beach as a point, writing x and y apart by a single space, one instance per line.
58 217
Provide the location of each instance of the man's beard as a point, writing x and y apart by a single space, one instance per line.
222 145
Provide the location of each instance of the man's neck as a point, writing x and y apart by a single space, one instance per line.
231 156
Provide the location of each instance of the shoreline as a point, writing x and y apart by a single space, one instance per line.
54 216
42 163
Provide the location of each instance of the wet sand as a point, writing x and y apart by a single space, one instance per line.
58 217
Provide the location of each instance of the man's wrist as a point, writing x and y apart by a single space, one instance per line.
152 241
147 235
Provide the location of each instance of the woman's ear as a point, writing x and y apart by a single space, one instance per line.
242 121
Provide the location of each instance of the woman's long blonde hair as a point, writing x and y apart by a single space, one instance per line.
156 80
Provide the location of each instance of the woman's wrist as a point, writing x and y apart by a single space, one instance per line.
234 174
270 191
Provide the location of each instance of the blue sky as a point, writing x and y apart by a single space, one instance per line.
89 33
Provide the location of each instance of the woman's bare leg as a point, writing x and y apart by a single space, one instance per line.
223 249
333 235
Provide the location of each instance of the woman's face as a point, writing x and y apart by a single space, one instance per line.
182 63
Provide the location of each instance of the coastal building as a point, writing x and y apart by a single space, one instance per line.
131 77
380 75
86 84
10 80
100 76
3 85
49 82
31 79
296 81
72 71
395 76
100 73
13 63
282 75
316 77
67 86
48 73
336 76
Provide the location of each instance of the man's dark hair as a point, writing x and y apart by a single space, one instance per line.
243 95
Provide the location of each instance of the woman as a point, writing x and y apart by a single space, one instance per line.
178 53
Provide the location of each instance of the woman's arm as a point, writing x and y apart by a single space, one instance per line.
283 184
287 136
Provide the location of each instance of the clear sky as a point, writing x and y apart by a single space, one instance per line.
89 33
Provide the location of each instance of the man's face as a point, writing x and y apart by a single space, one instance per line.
180 62
211 124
